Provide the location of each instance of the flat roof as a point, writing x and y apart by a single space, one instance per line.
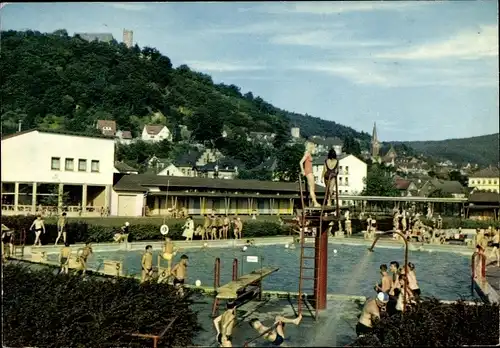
60 132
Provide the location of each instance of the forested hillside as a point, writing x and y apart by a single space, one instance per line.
63 82
483 150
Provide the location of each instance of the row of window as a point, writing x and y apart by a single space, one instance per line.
69 165
483 182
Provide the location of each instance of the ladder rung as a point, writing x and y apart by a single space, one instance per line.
308 278
309 247
309 257
308 268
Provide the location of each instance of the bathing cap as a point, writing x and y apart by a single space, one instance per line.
383 297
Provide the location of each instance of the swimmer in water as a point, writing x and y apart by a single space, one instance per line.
147 264
371 313
276 333
224 325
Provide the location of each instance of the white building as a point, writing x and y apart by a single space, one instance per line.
352 173
171 170
156 132
295 132
44 169
124 137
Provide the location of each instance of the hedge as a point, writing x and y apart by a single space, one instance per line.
41 309
79 231
433 324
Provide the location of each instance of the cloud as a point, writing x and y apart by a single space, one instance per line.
325 39
129 6
369 73
330 8
214 66
472 44
282 26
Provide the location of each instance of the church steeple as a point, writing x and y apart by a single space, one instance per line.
375 142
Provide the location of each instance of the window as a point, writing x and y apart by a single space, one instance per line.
55 163
494 182
347 169
69 164
346 181
340 181
340 168
489 182
82 165
94 166
472 182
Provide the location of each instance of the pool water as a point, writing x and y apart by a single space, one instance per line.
443 275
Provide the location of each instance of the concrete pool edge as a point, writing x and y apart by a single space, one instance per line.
231 243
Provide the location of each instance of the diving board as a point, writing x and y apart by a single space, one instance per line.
230 290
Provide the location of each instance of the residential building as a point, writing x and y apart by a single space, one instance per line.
295 132
107 127
124 168
406 188
171 170
352 174
124 137
156 132
225 168
128 38
442 188
487 179
323 145
52 169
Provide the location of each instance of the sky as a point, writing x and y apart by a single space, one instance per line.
420 70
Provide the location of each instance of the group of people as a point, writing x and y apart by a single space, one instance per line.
214 227
391 297
82 256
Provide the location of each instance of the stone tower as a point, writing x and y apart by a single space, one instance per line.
128 38
375 142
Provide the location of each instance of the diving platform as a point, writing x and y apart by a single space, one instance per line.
232 290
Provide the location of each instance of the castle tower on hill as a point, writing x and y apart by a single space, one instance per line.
375 143
128 38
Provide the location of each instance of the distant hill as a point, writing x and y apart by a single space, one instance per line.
483 150
58 81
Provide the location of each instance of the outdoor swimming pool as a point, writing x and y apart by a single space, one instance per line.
444 275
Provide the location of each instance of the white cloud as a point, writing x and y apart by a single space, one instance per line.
274 27
329 8
129 6
325 39
470 44
211 66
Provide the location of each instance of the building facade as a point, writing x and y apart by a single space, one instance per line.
155 133
487 179
51 170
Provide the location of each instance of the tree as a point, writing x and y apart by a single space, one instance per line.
351 146
455 175
256 174
439 194
53 199
379 183
288 168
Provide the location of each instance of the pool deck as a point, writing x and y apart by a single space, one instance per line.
231 243
489 288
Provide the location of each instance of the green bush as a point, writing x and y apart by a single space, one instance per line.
41 309
434 324
79 231
455 222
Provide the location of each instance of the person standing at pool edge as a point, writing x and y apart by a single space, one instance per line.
38 226
61 228
329 175
64 256
179 271
386 282
224 325
86 251
147 264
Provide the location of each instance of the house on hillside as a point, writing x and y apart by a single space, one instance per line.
124 137
483 206
99 37
107 127
171 170
186 163
261 137
156 132
124 168
225 168
437 187
156 164
323 145
406 188
487 179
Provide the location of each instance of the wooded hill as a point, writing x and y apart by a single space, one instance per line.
62 82
483 150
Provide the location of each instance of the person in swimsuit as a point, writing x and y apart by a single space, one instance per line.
306 169
169 251
179 272
85 253
386 281
276 333
371 312
496 246
238 227
61 228
225 226
64 256
412 280
7 240
329 175
38 226
224 325
147 264
213 226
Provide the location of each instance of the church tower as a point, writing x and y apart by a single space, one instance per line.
375 142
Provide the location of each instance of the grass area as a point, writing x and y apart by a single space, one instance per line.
119 221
